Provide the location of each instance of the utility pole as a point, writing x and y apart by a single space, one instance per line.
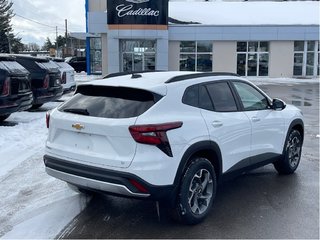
56 41
66 24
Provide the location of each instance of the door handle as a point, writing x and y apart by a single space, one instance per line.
255 119
217 124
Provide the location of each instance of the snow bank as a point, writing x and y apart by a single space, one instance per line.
247 13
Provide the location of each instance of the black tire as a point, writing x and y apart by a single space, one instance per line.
197 191
4 117
290 160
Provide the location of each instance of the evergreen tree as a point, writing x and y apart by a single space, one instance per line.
8 42
48 44
6 13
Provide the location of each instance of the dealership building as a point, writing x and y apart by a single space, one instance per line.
274 39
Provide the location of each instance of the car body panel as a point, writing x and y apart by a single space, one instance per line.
106 144
20 95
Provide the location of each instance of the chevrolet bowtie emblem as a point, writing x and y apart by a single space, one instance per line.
78 126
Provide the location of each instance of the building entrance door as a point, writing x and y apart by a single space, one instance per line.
138 55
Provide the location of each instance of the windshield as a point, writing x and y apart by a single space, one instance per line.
13 67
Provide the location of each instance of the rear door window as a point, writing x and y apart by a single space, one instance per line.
222 97
110 102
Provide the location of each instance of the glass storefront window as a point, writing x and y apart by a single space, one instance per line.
138 55
253 58
298 63
187 46
306 58
204 46
187 62
196 56
299 46
95 56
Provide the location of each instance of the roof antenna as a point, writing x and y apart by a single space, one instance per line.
136 75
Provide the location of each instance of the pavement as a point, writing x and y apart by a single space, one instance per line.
259 204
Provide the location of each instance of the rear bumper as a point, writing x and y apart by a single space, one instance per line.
46 95
107 181
15 103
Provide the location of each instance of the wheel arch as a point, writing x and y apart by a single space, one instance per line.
296 124
207 149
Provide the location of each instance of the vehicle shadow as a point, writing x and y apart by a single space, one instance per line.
240 206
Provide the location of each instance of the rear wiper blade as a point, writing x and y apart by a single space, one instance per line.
78 111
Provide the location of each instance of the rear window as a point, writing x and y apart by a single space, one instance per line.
12 66
47 65
110 102
63 65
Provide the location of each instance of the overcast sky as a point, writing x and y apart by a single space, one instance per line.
48 12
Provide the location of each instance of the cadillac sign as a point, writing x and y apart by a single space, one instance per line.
141 12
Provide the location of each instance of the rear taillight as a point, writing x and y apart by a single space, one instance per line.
48 119
64 78
154 134
46 81
6 87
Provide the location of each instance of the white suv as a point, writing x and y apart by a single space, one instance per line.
170 136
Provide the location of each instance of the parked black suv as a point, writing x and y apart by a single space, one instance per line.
45 79
15 89
78 63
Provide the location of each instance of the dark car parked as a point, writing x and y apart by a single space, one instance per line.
15 89
78 63
45 79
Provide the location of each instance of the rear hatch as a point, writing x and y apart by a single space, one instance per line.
92 127
19 76
53 71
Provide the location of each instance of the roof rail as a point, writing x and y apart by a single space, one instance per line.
118 74
199 75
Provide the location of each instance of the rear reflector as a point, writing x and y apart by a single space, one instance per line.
154 134
138 186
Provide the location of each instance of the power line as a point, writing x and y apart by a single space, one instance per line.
43 24
31 20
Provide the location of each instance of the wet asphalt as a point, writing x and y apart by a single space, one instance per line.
259 204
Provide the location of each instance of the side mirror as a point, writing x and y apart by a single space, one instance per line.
278 104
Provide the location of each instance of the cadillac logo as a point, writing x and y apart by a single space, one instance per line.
137 1
78 126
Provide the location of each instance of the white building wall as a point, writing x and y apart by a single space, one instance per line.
104 55
174 55
281 58
225 56
97 5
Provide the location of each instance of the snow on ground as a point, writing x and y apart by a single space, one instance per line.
33 204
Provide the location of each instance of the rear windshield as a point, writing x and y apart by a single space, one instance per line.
110 102
63 65
12 67
47 65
